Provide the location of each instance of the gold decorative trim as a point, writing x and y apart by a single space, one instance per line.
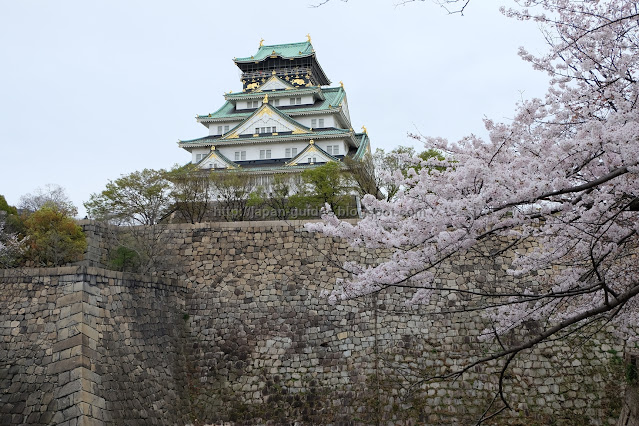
264 111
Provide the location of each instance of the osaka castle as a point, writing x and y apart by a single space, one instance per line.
286 118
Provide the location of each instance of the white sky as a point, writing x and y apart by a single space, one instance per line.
90 90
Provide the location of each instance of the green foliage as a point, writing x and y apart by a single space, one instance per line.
141 198
364 177
5 207
124 259
282 201
325 184
54 239
191 192
233 192
13 223
402 159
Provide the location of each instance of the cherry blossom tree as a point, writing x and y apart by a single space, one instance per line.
563 173
10 245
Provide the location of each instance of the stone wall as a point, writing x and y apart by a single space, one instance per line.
85 346
232 327
268 346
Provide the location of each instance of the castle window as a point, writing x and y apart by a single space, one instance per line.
333 149
265 153
199 157
290 152
295 101
240 155
252 104
321 122
265 129
219 130
313 122
226 129
275 102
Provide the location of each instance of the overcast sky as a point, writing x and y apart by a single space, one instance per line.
91 90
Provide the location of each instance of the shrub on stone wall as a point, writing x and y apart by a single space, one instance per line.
54 238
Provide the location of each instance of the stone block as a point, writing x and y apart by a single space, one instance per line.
76 340
69 364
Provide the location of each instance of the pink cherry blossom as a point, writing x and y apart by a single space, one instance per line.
563 173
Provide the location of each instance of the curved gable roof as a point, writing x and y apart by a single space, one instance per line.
287 51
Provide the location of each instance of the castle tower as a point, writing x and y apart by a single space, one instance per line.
285 119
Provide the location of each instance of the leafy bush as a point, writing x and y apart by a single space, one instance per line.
53 237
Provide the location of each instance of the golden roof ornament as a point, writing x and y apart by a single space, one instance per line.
265 100
212 147
308 37
341 83
312 142
364 129
274 72
261 42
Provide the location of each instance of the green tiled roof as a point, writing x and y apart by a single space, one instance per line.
277 111
288 51
333 96
221 157
272 94
216 140
363 146
309 147
271 169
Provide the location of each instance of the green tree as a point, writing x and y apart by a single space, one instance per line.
326 184
13 223
5 207
233 193
400 160
191 192
141 198
281 198
364 177
124 259
53 237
